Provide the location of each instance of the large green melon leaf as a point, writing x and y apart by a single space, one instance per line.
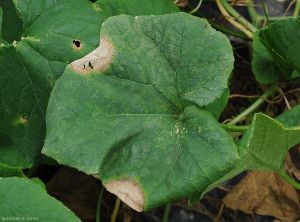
26 200
56 32
282 40
132 112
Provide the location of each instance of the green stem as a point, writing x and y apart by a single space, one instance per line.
233 128
289 179
98 212
237 16
272 18
166 213
297 9
116 210
266 14
254 106
229 31
253 13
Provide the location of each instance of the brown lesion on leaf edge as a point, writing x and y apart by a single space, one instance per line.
97 60
129 191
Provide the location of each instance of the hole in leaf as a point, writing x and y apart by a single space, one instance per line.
77 44
90 65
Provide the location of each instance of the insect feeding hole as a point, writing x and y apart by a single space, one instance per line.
77 44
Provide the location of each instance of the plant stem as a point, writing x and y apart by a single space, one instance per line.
233 128
229 31
254 106
237 16
266 21
232 20
197 7
272 18
99 203
297 9
166 213
116 210
252 12
289 179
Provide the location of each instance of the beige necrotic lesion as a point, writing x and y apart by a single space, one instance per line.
129 192
97 60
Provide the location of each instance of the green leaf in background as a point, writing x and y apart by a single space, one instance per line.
6 171
266 143
12 25
291 117
1 18
137 7
131 111
55 34
282 40
263 147
263 66
217 107
26 200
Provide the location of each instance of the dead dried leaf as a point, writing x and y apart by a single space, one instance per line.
290 165
182 3
265 193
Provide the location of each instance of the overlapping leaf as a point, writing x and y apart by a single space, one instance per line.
267 142
277 51
263 147
130 112
55 33
263 65
26 200
291 117
11 25
134 7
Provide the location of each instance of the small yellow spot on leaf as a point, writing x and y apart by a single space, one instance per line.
21 121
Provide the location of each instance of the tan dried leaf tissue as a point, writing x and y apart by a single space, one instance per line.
182 3
265 193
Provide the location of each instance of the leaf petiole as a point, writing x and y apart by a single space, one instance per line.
289 179
116 210
254 106
297 9
239 18
234 128
252 12
232 20
98 212
166 212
